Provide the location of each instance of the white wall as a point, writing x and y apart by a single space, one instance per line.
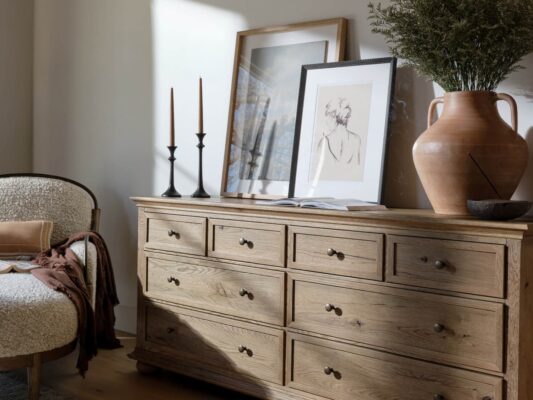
16 91
103 69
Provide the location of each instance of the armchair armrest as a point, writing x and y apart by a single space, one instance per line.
86 253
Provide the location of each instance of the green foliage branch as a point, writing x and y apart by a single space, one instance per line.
460 44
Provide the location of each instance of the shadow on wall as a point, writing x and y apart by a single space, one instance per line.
526 187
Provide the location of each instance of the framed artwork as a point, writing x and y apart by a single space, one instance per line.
341 129
264 101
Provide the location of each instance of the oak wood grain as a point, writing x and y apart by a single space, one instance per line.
469 267
336 252
364 374
469 332
217 287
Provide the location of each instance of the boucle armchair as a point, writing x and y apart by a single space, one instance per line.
38 324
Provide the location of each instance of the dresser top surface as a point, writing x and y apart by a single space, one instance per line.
395 215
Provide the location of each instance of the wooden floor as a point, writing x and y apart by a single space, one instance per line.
112 375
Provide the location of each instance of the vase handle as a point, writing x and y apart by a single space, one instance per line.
432 108
514 110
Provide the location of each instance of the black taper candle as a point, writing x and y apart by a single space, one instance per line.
200 192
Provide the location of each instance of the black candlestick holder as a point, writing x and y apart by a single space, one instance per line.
200 192
171 191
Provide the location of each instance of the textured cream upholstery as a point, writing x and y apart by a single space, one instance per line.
29 198
33 317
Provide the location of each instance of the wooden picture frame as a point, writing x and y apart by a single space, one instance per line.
342 129
328 36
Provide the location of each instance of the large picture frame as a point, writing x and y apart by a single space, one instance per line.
342 128
264 102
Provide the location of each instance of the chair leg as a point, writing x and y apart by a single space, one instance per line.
34 378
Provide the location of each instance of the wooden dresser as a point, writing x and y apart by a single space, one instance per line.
301 304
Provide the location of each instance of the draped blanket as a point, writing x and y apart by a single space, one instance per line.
62 271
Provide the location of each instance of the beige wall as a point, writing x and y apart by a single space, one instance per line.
16 92
103 69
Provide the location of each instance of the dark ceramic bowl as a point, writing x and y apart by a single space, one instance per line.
498 210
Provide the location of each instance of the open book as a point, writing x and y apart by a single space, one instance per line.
17 266
325 203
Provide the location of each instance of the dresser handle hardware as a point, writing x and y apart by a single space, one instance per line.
438 328
245 350
438 397
243 241
172 232
439 264
486 398
243 292
170 330
329 307
328 370
171 279
242 349
331 252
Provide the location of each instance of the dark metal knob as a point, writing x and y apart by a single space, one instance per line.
170 330
328 370
243 292
243 241
173 233
486 398
439 264
329 307
438 328
331 252
171 279
242 348
438 397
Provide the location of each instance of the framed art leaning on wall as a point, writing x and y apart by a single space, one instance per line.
264 101
341 129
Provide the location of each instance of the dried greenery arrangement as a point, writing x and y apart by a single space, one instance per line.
460 44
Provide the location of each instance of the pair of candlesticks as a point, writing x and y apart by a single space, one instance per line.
200 191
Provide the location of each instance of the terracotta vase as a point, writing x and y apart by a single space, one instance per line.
470 152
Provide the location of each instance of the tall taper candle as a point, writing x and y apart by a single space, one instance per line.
201 110
172 137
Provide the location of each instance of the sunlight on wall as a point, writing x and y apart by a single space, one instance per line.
191 39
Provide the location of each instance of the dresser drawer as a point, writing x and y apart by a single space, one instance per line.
468 267
239 291
247 241
434 327
336 252
343 372
220 344
181 234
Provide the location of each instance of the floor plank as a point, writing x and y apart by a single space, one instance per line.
113 376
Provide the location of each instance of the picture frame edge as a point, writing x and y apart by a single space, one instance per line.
392 81
342 24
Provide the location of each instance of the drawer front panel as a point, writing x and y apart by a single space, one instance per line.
222 344
336 252
434 327
176 233
239 291
476 268
247 241
362 374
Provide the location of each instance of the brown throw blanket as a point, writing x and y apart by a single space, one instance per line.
62 271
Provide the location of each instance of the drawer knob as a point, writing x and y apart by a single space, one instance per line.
438 397
439 264
243 292
172 232
329 307
243 241
170 330
438 328
331 252
244 349
171 279
328 370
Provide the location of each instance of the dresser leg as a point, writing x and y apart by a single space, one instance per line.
146 369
